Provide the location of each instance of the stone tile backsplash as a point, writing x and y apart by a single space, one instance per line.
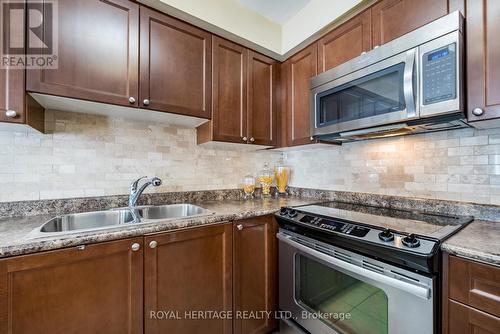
87 155
462 165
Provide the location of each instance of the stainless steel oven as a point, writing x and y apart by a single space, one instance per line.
398 85
328 289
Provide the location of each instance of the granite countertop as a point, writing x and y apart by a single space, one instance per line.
480 241
16 237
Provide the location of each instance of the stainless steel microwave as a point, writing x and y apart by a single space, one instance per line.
412 84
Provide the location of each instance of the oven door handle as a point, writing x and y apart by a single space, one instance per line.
408 86
416 290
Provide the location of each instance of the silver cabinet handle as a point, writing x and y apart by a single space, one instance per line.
10 113
136 246
131 100
153 244
363 53
376 46
146 102
478 111
81 247
239 227
244 138
312 138
252 139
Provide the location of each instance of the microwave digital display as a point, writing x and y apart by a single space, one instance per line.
438 54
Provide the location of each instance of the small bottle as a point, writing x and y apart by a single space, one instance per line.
265 179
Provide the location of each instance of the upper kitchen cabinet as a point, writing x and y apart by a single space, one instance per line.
345 42
262 118
98 53
300 68
394 18
16 107
189 271
175 66
80 290
229 83
483 60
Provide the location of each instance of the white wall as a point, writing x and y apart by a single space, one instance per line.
312 18
234 18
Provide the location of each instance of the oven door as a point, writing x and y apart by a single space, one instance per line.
344 292
379 94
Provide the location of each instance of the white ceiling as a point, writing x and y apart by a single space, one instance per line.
278 11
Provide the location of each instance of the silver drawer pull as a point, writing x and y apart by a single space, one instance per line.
153 244
10 113
478 112
135 247
239 227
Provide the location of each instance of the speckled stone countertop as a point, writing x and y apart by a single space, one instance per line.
16 234
480 240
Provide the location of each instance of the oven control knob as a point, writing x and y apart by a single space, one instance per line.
283 211
386 235
292 213
411 241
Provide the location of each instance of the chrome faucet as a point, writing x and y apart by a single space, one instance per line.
136 192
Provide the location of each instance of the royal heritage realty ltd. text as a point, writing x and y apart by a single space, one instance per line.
244 315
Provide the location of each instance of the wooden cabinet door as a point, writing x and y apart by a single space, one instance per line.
345 42
98 53
95 289
229 91
188 271
483 59
394 18
175 68
255 275
466 320
475 284
262 120
300 68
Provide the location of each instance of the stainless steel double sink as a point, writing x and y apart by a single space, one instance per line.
89 221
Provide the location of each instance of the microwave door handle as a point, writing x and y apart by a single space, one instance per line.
415 290
408 86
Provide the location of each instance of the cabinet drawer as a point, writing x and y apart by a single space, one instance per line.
466 320
475 284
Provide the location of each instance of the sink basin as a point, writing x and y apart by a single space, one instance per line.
88 221
172 211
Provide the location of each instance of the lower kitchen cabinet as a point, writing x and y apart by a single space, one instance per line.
471 297
186 272
80 290
178 282
255 273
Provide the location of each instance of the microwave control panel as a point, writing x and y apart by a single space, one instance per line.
439 69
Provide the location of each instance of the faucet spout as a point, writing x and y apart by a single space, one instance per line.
136 191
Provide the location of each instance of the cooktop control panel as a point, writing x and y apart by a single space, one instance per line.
374 235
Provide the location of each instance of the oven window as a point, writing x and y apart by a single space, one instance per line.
336 296
376 94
